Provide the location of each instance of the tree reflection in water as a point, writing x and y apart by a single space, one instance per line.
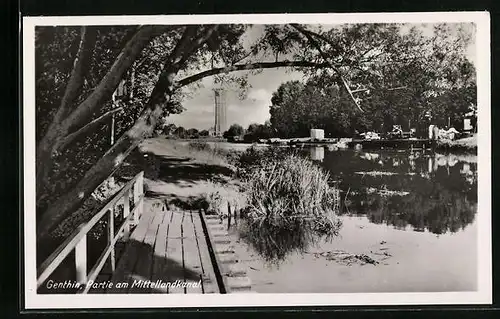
274 243
440 191
429 192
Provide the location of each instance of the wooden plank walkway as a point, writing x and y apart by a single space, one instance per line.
166 253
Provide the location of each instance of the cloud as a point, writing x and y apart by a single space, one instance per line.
261 95
257 112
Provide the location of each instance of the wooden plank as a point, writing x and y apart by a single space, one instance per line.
239 284
141 275
221 284
127 261
175 272
159 271
191 256
209 281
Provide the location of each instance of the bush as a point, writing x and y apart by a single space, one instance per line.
291 191
254 158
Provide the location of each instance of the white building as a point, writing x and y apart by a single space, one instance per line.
317 134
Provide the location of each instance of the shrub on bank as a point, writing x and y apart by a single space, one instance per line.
284 192
255 158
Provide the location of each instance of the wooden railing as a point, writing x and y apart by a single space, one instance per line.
78 240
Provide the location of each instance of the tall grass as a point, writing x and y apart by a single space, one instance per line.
292 190
212 154
254 158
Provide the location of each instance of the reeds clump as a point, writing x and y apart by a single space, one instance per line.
290 192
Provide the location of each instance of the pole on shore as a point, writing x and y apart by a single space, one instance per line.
228 215
235 210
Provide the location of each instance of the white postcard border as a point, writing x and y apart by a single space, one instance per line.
482 296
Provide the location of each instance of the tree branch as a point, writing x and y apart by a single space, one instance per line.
71 137
196 44
307 34
251 51
110 81
185 39
388 89
320 36
87 39
74 85
64 123
245 67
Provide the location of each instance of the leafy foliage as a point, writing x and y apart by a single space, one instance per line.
372 56
234 130
400 76
289 200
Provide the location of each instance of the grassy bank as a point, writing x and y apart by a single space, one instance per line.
274 187
290 206
278 191
468 144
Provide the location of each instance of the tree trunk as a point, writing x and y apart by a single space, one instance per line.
60 127
143 127
99 172
80 64
112 159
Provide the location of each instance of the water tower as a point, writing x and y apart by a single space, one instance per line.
220 112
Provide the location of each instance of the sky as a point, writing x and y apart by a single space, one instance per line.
199 108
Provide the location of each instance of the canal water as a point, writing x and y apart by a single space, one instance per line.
409 225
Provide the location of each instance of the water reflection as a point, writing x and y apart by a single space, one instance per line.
317 153
274 243
408 190
405 190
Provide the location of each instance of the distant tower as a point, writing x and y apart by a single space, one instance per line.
220 112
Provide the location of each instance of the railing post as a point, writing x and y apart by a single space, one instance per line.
111 235
81 260
135 192
126 213
140 194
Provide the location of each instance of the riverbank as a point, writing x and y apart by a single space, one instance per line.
364 257
468 144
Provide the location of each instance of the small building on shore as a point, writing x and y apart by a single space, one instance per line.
317 134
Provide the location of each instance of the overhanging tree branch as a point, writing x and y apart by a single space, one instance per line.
45 147
88 37
307 34
199 41
181 53
245 67
110 81
60 127
185 39
85 129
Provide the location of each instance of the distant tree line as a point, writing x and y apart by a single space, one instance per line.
297 107
172 130
436 84
253 133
